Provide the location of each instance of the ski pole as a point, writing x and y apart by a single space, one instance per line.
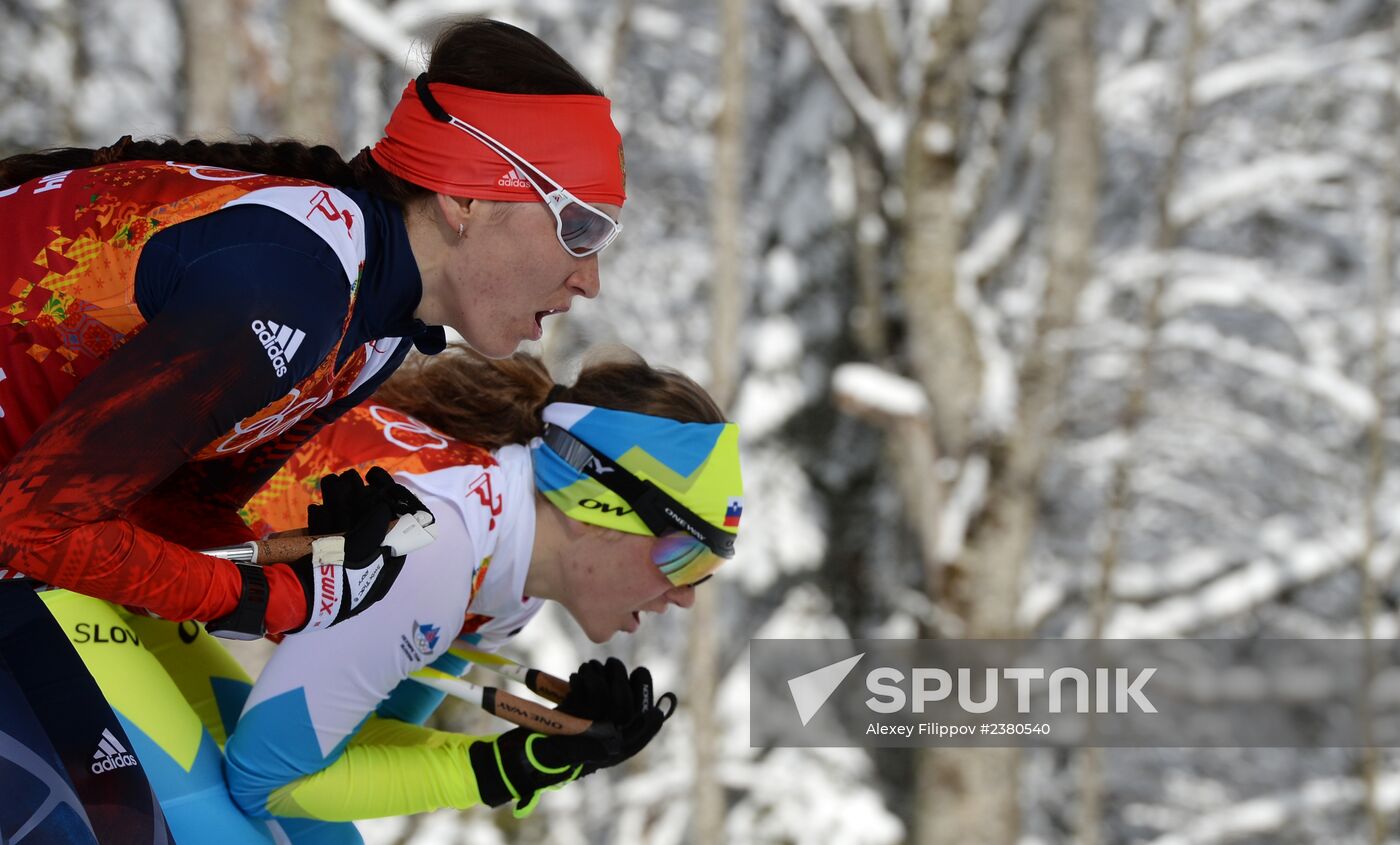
540 683
405 535
512 708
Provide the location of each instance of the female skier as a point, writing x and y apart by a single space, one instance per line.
182 316
613 496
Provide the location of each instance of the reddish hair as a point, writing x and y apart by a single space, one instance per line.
495 402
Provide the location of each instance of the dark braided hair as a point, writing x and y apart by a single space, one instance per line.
276 158
477 53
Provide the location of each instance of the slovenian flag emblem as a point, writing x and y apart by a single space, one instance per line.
733 512
427 637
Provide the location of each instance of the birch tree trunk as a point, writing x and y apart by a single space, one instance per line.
309 101
726 310
1119 504
608 42
999 549
1168 235
942 346
727 209
962 795
1383 267
981 786
208 67
617 34
874 58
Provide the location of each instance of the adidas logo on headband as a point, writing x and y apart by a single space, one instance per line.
512 180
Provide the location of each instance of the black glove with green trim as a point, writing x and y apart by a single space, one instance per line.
606 692
521 764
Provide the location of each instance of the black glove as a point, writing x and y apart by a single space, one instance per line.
346 574
362 511
521 764
604 692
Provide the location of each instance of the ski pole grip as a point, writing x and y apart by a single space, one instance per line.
272 550
530 715
281 549
545 684
287 546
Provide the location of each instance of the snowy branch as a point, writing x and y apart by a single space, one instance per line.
1289 561
1288 172
887 125
376 29
408 15
1288 66
920 607
963 503
1273 814
868 391
1127 91
1344 394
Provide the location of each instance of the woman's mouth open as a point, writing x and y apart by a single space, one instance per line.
539 320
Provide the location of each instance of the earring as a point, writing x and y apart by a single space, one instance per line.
461 228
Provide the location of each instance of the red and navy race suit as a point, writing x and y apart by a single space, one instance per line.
173 333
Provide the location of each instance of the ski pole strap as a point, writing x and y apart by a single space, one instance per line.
247 620
524 807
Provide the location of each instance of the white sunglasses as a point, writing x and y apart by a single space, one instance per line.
582 229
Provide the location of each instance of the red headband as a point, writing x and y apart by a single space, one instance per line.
569 137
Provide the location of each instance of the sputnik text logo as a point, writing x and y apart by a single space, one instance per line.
1113 690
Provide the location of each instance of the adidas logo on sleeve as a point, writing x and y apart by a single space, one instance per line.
280 341
110 754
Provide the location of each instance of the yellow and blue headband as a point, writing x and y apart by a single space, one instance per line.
617 469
